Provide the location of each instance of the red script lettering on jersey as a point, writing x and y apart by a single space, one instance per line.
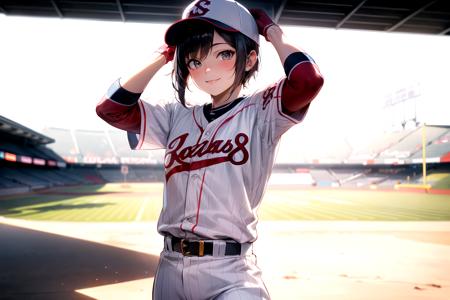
178 153
268 95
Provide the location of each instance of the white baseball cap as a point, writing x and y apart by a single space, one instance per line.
228 15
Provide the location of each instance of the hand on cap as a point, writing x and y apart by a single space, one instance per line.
167 51
262 20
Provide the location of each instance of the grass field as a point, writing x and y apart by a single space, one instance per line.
142 202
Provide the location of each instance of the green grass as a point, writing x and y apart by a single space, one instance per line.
439 181
142 202
354 205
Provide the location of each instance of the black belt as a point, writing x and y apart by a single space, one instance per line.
201 248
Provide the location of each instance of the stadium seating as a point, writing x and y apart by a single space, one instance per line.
437 148
112 175
6 182
70 176
96 146
23 177
343 174
104 147
96 157
323 177
88 175
377 145
122 148
111 147
64 144
363 181
150 176
119 142
411 144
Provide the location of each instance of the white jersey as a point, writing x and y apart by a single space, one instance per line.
216 172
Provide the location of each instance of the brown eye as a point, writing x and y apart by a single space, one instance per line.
226 55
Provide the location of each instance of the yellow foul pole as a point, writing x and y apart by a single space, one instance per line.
424 155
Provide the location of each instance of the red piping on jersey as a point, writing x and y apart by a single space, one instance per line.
195 119
198 125
278 100
142 136
229 118
199 201
277 94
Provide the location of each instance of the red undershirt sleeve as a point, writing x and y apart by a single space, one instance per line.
120 108
303 83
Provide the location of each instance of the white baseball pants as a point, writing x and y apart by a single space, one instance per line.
215 277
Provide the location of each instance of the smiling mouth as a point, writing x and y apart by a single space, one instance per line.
211 81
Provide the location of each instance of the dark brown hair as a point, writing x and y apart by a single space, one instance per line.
201 39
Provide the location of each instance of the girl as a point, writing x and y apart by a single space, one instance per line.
219 155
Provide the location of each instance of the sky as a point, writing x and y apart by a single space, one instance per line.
54 72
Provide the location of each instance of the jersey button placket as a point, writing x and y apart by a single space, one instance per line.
190 190
191 199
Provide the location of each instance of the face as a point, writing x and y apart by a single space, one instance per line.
215 73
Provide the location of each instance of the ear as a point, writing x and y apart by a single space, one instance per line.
252 58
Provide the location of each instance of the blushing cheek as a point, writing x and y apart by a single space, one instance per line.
226 65
195 73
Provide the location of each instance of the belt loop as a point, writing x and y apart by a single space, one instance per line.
215 249
168 243
222 247
245 248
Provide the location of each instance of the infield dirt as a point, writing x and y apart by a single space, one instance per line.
334 260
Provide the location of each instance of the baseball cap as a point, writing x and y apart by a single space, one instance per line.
228 15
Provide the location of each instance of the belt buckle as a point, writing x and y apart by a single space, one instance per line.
182 246
201 248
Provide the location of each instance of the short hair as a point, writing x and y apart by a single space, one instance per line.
201 39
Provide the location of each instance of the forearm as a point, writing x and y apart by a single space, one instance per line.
279 41
119 107
137 82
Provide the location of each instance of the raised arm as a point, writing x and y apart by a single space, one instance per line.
119 106
304 80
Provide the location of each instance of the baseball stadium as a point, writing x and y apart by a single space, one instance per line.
79 208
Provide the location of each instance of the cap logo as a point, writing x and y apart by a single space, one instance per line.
200 8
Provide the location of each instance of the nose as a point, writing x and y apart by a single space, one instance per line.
208 64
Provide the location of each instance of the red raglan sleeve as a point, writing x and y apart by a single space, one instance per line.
147 124
285 103
303 83
120 108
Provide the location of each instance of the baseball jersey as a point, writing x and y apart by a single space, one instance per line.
215 172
